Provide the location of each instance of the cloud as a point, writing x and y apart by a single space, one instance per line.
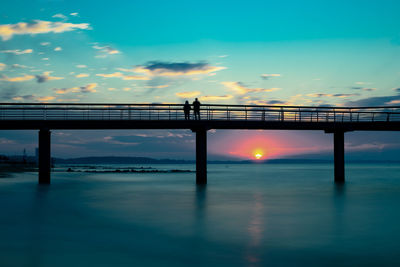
157 86
2 66
344 95
241 89
90 88
45 43
18 66
396 90
188 94
123 76
75 14
58 48
7 31
158 68
266 102
393 102
374 101
320 95
60 16
106 50
17 51
332 95
46 77
267 76
362 88
33 98
215 97
17 79
82 75
81 66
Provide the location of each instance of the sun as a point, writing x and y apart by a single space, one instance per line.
258 155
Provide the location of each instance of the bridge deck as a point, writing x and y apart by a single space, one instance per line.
171 116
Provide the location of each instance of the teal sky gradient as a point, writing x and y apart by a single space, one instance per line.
309 52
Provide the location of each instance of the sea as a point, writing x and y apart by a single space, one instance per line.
247 215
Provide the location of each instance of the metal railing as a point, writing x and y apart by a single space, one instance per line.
98 111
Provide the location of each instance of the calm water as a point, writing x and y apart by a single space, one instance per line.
248 215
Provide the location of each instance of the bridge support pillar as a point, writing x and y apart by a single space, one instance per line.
338 143
44 156
201 156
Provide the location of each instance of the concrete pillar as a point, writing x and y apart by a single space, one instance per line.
338 143
201 156
44 156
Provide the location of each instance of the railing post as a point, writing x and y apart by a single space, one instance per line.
299 115
282 114
388 117
334 115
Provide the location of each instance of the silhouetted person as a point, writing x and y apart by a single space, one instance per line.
186 109
196 109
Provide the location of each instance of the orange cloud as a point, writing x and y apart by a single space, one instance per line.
215 97
188 94
7 31
17 51
123 76
82 75
90 88
240 89
17 79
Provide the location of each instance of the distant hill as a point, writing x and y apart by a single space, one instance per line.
145 160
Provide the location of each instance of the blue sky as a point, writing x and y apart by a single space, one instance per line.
295 52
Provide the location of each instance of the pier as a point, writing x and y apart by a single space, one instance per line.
99 116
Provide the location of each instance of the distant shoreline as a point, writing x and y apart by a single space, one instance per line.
16 160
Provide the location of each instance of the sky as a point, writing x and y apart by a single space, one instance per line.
340 53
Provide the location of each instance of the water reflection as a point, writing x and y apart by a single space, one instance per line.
39 214
256 230
339 206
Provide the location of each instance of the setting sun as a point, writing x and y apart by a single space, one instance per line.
258 156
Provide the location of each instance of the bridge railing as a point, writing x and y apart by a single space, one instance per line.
36 111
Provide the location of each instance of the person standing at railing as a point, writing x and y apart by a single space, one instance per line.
186 109
196 109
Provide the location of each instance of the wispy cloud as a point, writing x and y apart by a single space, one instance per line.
57 49
362 88
7 31
332 95
106 50
23 78
241 89
158 68
17 51
216 97
82 75
267 76
90 88
34 98
46 77
2 66
59 16
266 102
81 66
188 94
122 76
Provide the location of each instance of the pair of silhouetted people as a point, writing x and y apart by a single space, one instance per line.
196 109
